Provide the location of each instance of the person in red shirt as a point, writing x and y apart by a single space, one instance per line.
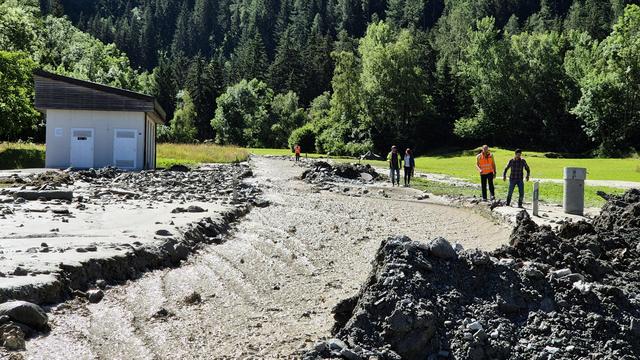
297 150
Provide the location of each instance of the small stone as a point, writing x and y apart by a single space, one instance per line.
336 344
20 271
551 349
349 355
163 232
101 284
193 298
95 296
561 273
475 326
14 341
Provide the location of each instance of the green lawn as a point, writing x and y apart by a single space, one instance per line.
171 154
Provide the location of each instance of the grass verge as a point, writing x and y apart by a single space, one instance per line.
21 156
550 193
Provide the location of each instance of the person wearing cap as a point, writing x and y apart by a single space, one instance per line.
517 166
486 166
395 162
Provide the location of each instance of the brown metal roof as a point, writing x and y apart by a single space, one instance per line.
55 91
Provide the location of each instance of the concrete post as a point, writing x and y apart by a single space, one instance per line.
536 197
573 194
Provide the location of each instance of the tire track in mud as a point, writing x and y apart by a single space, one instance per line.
268 290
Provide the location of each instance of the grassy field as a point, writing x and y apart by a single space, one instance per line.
26 155
171 154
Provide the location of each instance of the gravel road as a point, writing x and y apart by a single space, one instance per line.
267 292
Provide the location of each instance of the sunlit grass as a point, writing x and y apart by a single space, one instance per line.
171 154
550 193
19 155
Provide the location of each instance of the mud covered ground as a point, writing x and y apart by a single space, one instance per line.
268 290
570 294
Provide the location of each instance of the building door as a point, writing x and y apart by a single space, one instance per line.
81 155
125 148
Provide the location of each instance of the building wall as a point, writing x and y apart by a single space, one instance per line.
103 123
150 146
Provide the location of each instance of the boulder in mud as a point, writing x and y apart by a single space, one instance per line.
26 313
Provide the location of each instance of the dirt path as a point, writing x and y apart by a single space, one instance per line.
268 291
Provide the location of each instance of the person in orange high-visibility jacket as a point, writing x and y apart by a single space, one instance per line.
486 165
298 151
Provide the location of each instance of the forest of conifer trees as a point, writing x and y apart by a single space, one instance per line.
347 76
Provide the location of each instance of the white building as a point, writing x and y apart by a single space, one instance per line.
89 125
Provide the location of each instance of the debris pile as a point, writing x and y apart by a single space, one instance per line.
219 182
322 172
50 179
574 294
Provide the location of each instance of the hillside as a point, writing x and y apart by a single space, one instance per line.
353 75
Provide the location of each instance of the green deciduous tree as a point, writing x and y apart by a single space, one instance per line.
394 80
609 76
17 115
243 115
183 129
287 115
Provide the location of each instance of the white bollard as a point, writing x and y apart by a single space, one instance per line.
536 197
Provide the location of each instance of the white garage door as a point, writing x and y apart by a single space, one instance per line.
81 155
125 148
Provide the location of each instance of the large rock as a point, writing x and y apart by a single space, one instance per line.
441 248
26 313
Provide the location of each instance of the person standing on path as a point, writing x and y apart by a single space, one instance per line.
517 166
486 165
395 161
409 166
297 149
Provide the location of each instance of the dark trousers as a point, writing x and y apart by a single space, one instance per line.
394 173
484 180
512 185
407 175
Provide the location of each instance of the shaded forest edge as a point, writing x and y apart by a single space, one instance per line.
345 76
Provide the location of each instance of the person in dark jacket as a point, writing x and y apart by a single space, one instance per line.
395 162
409 166
517 166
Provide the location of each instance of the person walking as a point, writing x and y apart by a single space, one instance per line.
517 166
409 166
298 150
486 165
395 161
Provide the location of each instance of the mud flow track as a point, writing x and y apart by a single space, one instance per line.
268 290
